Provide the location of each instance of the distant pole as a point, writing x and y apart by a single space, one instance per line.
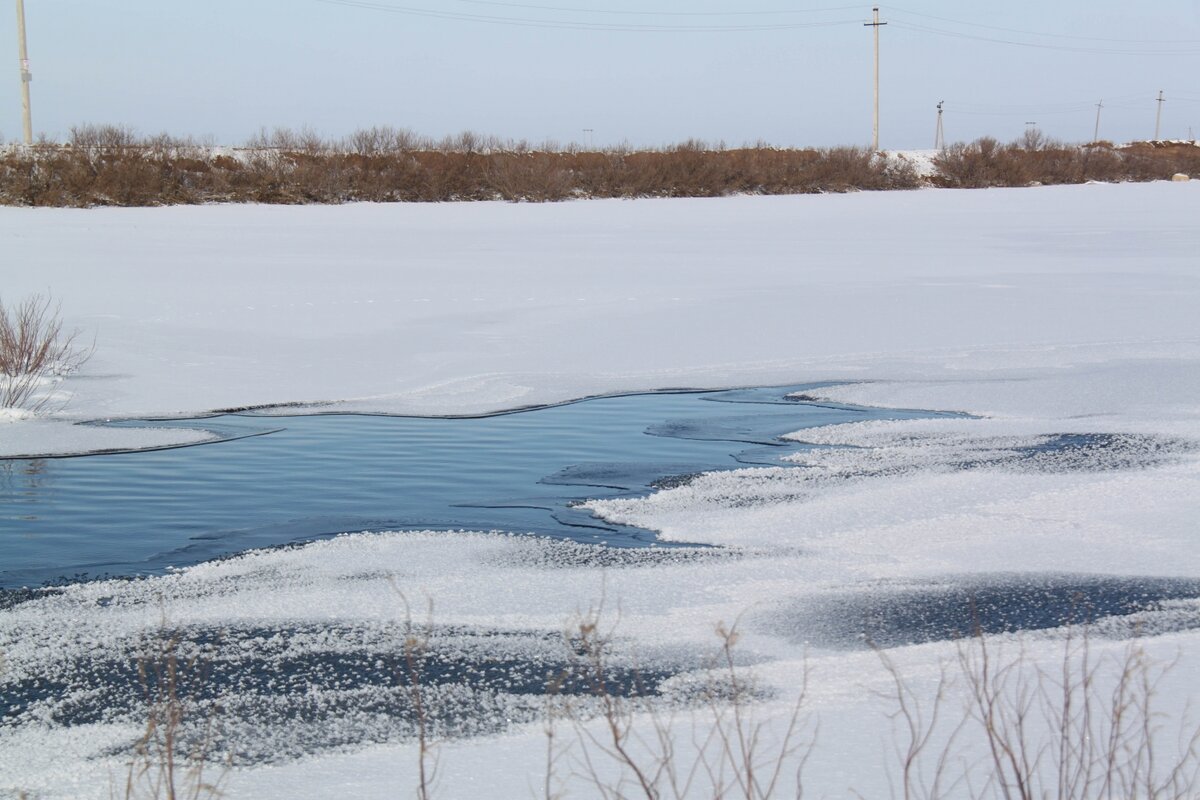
1158 116
1096 133
939 138
26 75
876 24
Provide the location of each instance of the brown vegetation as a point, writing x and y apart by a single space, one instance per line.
1034 159
112 166
106 165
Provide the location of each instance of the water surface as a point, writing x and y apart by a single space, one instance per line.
319 475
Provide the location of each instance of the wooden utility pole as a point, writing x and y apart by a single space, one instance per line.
26 75
1158 116
876 24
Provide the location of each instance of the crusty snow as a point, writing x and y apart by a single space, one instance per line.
1038 312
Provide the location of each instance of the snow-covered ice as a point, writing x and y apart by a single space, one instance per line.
1062 322
473 307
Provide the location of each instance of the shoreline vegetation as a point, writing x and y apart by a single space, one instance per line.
107 165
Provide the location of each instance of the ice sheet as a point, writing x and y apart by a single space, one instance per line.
473 307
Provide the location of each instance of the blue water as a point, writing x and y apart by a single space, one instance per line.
315 476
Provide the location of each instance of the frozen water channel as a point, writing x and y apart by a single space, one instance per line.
273 481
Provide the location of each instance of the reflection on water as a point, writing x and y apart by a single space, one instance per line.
23 483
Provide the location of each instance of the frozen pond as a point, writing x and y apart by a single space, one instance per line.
308 477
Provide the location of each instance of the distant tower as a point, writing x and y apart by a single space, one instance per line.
26 75
876 24
1158 116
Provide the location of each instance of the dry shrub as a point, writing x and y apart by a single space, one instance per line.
1160 160
982 163
530 176
34 348
1034 159
112 165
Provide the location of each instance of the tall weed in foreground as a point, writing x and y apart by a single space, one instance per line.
415 656
1088 730
172 758
713 741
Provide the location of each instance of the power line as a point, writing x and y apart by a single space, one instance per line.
1075 37
526 22
1034 109
644 13
1045 46
1144 47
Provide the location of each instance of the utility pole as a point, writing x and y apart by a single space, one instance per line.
939 139
1096 133
26 75
1158 116
876 24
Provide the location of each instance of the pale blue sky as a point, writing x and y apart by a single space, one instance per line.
225 68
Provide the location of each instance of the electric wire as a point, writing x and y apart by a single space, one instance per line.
644 13
905 12
1134 47
1045 46
1127 102
526 22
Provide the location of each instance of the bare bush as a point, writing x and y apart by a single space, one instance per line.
103 137
1087 731
34 349
112 165
640 744
382 140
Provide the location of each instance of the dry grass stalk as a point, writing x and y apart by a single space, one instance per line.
169 762
415 655
721 751
1088 731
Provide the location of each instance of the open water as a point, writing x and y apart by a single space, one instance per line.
314 476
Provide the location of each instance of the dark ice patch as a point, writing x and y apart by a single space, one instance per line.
274 693
896 614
